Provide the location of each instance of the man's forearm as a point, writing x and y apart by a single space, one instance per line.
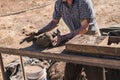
67 36
72 34
48 27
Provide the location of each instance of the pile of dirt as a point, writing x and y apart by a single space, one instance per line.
19 17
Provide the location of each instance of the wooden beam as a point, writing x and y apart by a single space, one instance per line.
22 66
2 67
91 61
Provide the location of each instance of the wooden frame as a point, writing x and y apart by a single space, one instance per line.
100 48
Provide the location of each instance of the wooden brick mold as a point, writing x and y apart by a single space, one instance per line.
91 44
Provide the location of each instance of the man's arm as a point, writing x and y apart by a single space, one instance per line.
84 28
55 21
48 27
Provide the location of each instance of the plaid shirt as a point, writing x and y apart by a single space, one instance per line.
80 9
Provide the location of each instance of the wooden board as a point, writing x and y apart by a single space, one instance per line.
94 45
85 60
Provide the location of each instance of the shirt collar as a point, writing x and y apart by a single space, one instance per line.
65 3
72 2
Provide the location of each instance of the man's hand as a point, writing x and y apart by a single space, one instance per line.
57 40
84 26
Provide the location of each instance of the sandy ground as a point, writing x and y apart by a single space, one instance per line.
107 12
18 17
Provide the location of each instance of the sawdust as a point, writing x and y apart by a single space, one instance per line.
87 40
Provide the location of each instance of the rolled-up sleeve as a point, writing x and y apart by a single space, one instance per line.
86 9
57 13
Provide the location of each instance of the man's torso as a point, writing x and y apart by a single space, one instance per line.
72 15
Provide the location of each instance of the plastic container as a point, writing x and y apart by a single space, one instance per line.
34 72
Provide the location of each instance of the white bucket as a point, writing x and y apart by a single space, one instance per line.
34 72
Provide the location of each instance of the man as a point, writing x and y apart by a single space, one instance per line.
80 19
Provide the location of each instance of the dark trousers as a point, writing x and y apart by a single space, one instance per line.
112 74
73 71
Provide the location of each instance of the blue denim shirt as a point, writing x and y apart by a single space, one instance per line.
80 9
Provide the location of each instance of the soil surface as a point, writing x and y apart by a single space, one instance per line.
19 17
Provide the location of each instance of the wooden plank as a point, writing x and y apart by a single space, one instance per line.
22 66
101 50
2 67
100 47
91 61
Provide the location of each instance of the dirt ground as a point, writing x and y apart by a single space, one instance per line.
19 17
